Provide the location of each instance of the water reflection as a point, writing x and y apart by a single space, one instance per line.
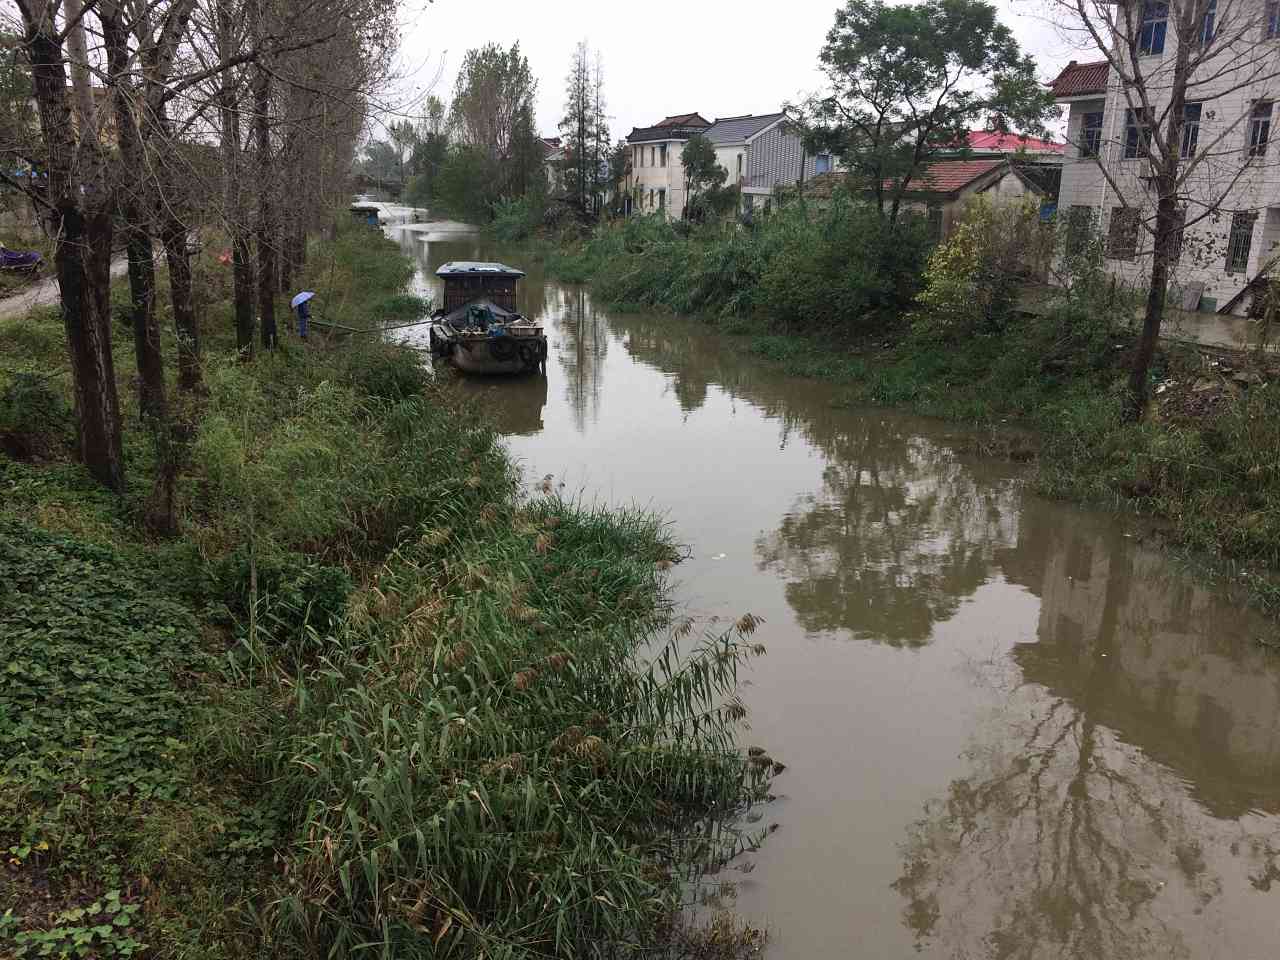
898 536
581 339
513 404
1078 759
1115 794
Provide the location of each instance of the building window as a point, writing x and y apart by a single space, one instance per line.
1240 240
1271 29
662 199
1080 227
822 163
1175 254
1155 19
1206 28
1259 128
1190 129
662 155
1122 239
651 198
639 157
935 222
1137 133
1091 134
739 166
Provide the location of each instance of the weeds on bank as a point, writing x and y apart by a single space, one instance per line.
436 728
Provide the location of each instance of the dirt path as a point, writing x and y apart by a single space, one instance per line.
45 292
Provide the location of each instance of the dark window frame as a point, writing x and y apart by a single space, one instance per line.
1122 233
1258 132
1206 27
1136 133
1240 241
1271 24
1081 219
1191 114
1153 27
1091 136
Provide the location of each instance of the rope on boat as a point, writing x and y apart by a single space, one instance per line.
343 326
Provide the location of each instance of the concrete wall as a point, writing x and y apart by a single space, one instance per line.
733 157
1222 175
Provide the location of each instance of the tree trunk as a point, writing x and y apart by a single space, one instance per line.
242 281
88 329
142 275
1166 225
173 234
89 345
266 212
232 187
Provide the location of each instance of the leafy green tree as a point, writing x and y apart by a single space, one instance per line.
380 162
464 186
909 80
704 178
492 119
404 138
577 127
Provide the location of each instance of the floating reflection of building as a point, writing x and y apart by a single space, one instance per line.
1128 779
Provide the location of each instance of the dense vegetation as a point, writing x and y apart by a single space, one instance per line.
372 697
824 292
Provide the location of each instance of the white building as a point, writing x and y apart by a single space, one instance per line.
1228 159
762 153
656 180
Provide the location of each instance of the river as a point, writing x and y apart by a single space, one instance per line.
1010 728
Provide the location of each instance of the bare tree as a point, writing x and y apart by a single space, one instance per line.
1176 64
76 203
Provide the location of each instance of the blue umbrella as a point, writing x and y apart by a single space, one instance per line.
303 297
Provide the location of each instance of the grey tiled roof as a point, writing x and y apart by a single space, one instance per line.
455 268
737 129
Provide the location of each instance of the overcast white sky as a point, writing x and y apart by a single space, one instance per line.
662 57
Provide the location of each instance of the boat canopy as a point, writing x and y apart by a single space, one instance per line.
472 268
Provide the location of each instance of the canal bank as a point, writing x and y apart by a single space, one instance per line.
1007 720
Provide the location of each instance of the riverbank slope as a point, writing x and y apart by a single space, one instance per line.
370 694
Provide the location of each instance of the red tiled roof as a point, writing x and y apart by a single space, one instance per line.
949 176
1078 79
994 141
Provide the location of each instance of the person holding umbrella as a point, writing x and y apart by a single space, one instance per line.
303 308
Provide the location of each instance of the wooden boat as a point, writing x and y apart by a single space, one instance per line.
479 329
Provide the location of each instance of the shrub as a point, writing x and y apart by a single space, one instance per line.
832 267
293 591
972 279
35 420
515 220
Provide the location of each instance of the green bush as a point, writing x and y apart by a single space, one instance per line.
973 278
293 592
515 220
35 420
803 267
834 267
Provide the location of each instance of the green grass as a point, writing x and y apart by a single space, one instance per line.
369 699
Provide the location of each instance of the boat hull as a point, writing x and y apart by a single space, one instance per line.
500 356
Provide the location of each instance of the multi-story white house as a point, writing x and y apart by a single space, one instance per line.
656 180
762 153
1229 164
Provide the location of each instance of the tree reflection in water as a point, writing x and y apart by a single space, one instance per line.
581 346
1133 758
899 535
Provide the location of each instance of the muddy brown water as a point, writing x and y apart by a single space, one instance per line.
1010 728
